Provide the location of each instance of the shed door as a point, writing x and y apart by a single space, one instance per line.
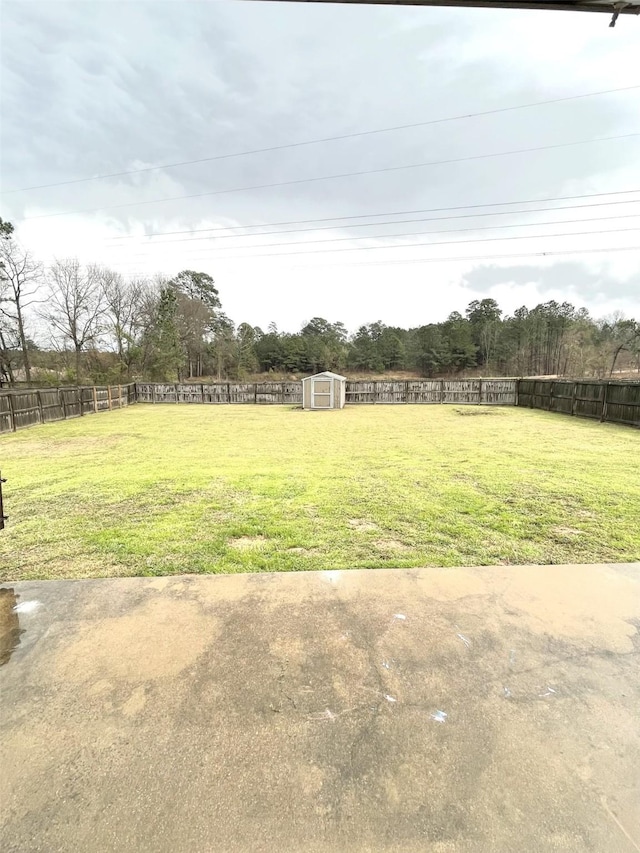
322 394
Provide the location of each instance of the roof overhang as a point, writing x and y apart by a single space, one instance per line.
611 7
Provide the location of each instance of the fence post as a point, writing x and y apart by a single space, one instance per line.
573 398
375 392
109 397
406 391
40 407
479 391
63 405
228 392
119 396
551 390
153 392
442 390
255 392
605 389
12 412
176 387
95 400
3 517
81 400
202 391
517 392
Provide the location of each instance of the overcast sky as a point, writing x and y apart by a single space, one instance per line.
91 88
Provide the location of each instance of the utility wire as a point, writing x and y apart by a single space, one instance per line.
398 213
363 172
210 257
404 221
131 270
445 243
321 140
479 257
385 236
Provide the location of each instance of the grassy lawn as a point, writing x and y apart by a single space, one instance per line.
164 489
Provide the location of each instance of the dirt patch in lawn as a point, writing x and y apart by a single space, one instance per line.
245 543
479 411
391 545
362 524
566 531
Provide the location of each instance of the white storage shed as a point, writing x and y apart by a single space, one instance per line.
324 391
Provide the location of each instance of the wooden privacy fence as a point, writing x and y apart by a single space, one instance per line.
615 402
487 391
220 392
20 409
501 392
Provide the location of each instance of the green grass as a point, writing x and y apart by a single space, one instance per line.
164 489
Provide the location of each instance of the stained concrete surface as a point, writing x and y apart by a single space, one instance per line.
440 710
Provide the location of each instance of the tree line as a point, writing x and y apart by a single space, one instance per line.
100 326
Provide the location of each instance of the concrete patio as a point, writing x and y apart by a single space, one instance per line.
481 710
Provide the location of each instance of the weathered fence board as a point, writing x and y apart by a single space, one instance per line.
461 391
242 392
622 403
218 392
498 392
279 392
190 393
427 391
615 402
6 417
360 392
23 408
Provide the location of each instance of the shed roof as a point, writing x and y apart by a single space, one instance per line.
325 373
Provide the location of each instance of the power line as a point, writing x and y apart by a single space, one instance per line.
143 239
299 181
383 236
606 250
443 243
398 213
321 140
485 257
409 245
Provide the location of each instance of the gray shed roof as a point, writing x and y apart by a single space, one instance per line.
325 373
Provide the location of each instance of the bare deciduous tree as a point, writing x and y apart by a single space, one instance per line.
124 312
8 346
20 277
75 305
626 337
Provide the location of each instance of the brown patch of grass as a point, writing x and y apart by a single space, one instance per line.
248 542
391 545
362 524
567 531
